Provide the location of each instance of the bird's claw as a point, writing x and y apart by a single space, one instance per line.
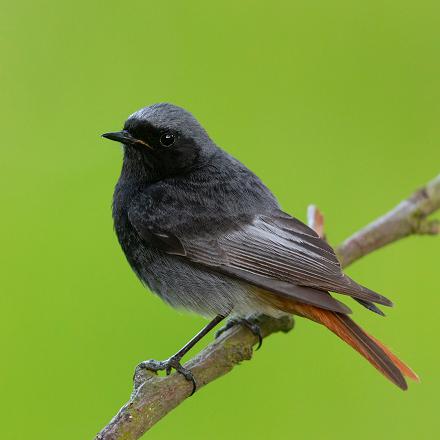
167 366
248 323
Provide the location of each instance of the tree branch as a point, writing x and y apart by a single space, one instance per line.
153 396
408 217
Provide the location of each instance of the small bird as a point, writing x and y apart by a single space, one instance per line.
205 234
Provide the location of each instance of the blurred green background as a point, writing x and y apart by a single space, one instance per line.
336 103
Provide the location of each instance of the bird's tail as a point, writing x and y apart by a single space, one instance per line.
369 347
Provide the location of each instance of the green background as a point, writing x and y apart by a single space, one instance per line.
335 103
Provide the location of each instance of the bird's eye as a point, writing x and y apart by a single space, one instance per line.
167 139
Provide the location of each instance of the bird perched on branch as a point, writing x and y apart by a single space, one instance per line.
206 235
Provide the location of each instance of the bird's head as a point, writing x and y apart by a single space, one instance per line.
163 140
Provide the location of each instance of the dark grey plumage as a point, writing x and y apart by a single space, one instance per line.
202 231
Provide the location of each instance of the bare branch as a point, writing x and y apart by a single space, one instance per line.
408 217
153 397
315 220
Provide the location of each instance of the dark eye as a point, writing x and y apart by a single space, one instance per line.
167 139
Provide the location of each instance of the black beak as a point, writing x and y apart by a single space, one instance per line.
120 136
125 138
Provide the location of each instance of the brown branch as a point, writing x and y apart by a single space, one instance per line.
408 217
153 396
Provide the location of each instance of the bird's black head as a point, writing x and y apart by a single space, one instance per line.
163 140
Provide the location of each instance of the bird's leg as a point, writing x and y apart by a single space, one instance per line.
174 361
249 323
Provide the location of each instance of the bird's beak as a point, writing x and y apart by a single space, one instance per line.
120 136
125 138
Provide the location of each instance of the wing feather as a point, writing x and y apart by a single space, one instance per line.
276 252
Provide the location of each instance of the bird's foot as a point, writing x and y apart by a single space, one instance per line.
172 363
250 324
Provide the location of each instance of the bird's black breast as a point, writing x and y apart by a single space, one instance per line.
126 191
207 201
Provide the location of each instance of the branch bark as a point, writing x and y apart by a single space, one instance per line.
153 396
408 217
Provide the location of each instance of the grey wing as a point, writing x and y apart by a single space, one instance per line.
277 253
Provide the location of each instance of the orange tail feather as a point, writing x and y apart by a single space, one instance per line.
369 347
405 369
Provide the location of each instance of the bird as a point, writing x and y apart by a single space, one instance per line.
205 234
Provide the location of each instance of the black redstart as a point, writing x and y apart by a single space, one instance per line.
206 235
